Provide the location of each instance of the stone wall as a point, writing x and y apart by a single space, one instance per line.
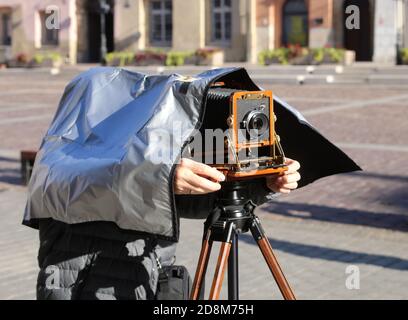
385 33
131 25
321 31
236 50
188 24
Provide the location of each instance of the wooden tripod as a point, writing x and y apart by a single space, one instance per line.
233 216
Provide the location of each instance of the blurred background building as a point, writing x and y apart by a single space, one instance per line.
242 28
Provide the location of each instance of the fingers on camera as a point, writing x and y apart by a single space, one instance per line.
204 170
293 166
288 179
284 190
200 184
288 182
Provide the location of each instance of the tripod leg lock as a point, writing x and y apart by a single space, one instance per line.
222 231
256 229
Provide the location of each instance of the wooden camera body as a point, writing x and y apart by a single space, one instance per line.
249 147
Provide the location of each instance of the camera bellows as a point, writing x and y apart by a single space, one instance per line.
222 94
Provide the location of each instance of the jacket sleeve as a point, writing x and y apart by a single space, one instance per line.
260 193
195 206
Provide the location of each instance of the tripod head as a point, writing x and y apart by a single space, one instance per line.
234 204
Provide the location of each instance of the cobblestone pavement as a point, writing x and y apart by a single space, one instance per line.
358 219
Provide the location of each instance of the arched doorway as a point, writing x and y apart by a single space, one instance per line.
360 40
89 32
295 25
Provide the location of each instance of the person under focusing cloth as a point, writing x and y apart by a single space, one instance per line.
119 264
108 216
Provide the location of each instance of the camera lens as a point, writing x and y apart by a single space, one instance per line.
257 124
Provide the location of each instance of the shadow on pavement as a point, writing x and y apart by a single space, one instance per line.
394 197
392 221
9 159
345 256
10 170
374 175
11 176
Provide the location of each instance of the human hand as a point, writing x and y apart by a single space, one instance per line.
287 181
193 177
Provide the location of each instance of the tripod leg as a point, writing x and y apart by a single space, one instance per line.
233 291
273 264
220 270
201 266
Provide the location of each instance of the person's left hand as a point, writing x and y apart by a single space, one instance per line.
287 181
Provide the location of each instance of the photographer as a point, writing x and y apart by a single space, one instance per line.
107 191
99 260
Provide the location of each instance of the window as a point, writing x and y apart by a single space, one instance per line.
49 36
5 28
161 24
221 20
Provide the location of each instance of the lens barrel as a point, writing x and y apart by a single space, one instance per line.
257 124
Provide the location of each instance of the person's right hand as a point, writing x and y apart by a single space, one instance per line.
193 177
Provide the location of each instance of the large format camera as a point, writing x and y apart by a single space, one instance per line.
238 133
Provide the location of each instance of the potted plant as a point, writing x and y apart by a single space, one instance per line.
120 59
179 58
47 60
20 61
276 56
209 57
404 55
150 57
328 55
299 55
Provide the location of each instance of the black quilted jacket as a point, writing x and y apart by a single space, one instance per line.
99 260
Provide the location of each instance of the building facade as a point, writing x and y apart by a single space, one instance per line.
23 28
242 28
